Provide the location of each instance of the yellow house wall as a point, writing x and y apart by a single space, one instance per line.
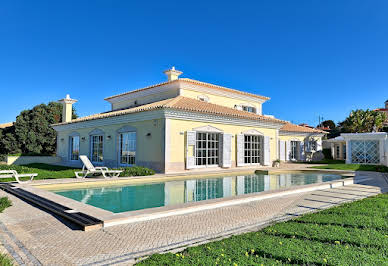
294 137
176 153
145 100
149 153
221 100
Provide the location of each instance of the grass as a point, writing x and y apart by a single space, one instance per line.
4 203
354 167
4 259
352 234
49 171
44 171
324 161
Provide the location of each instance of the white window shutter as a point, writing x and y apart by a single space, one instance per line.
319 144
267 152
190 147
282 151
226 150
240 150
288 150
301 151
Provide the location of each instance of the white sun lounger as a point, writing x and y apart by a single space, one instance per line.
14 174
89 168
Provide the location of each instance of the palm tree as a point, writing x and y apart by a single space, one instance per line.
360 121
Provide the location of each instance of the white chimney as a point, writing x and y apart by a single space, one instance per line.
67 111
172 74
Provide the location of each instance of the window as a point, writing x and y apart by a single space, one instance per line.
74 148
207 148
312 145
344 151
203 98
249 109
252 149
294 150
127 142
97 148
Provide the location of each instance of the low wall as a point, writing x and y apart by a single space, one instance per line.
18 160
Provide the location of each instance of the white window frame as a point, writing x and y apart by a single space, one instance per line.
294 153
71 147
207 149
248 108
250 150
133 151
101 140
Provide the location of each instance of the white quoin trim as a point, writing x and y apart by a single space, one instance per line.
240 149
267 150
226 150
190 142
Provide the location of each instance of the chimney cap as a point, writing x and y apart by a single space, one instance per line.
172 74
67 99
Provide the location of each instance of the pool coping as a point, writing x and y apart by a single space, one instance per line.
111 219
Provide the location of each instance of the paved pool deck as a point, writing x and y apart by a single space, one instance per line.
35 237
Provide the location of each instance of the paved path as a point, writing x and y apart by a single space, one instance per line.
35 237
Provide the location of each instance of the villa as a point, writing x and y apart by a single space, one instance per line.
183 124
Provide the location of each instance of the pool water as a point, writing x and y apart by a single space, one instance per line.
137 197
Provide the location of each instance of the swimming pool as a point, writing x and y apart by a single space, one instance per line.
144 196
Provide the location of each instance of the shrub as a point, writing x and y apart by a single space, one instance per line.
327 153
136 171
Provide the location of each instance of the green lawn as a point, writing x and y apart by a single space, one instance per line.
352 234
44 171
354 167
4 259
48 171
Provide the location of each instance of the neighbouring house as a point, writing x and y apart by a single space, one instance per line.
182 124
384 110
366 148
299 143
6 125
338 147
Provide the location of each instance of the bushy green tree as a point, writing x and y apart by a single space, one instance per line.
328 123
32 132
361 121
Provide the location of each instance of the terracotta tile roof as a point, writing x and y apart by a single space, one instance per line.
183 104
5 125
295 128
192 81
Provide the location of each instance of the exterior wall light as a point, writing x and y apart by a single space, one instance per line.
148 134
83 138
109 137
62 139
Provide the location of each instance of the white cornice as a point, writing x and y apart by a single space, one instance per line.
167 113
296 133
128 118
209 118
198 88
144 93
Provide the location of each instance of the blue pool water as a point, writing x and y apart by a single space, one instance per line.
137 197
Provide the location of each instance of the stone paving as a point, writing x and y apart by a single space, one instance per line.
35 237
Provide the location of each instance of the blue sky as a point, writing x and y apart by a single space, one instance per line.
311 57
